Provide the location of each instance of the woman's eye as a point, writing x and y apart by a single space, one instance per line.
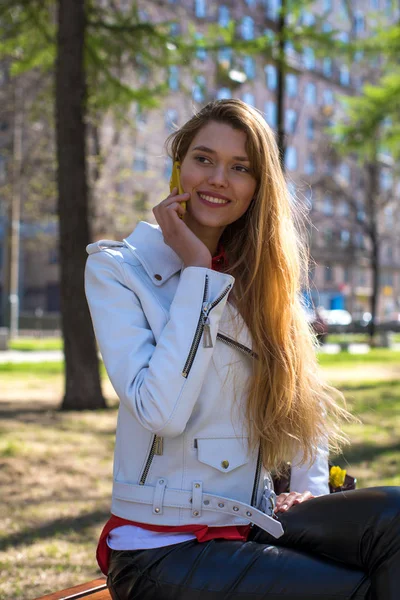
240 168
201 158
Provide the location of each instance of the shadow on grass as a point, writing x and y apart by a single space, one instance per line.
43 412
366 452
58 526
370 385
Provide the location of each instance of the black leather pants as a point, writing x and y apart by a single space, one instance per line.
343 546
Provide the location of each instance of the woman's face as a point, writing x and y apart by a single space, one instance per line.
218 175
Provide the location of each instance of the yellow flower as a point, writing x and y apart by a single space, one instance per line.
337 476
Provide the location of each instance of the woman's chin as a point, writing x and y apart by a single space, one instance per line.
204 219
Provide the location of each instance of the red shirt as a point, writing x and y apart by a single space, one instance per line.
203 533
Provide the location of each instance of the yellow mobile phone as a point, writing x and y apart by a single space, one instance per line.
175 181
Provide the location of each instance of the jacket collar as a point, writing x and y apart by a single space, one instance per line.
160 262
157 258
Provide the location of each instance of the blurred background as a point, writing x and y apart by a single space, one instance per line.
89 91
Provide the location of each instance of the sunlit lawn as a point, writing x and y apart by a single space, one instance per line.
55 472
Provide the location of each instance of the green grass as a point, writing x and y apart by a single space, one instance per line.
27 344
375 355
349 338
56 478
42 368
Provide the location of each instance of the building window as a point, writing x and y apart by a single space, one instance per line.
310 128
328 274
327 97
223 16
311 93
291 85
291 158
386 180
140 160
175 29
327 66
344 238
344 208
271 76
171 119
223 93
358 23
200 8
167 168
290 120
271 113
327 205
3 168
309 167
249 67
173 79
53 256
344 171
359 240
308 19
309 58
344 75
272 8
249 98
199 89
247 28
225 57
201 53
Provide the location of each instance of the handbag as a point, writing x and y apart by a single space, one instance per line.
282 483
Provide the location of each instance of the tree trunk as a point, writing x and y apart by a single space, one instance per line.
82 379
280 87
372 199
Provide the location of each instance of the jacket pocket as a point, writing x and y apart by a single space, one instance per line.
223 454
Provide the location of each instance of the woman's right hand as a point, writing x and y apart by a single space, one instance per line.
177 235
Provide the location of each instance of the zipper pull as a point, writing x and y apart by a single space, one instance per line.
159 446
207 339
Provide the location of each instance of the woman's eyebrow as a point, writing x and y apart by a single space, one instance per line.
210 151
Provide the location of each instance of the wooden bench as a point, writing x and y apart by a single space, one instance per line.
94 590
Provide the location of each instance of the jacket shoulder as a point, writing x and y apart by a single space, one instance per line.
116 249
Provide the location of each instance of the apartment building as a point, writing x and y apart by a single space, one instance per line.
136 174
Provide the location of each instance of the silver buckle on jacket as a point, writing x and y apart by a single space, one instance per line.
268 499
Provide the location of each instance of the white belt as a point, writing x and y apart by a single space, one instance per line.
160 496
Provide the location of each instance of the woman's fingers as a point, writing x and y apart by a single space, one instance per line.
286 500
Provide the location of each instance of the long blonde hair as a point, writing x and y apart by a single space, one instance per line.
289 407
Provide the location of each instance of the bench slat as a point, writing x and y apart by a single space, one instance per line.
94 590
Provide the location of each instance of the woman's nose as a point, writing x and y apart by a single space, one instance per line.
218 177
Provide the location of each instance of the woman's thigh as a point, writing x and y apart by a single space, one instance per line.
222 569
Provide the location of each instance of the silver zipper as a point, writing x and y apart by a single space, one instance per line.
203 326
156 449
256 479
241 347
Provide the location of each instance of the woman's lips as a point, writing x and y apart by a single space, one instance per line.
212 204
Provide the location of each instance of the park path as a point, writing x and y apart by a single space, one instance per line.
18 356
365 372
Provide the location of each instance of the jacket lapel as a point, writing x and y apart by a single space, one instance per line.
159 261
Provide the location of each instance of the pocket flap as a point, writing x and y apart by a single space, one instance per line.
224 454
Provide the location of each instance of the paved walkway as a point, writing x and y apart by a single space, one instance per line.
17 356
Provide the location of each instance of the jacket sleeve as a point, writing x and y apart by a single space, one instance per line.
314 477
149 378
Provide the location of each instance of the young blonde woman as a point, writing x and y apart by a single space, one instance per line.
201 328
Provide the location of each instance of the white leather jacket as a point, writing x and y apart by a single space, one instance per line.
179 355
